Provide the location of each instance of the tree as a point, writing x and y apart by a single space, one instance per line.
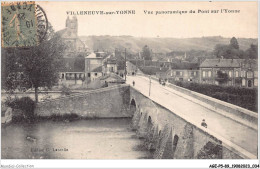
79 63
147 54
252 52
230 51
38 65
234 43
222 78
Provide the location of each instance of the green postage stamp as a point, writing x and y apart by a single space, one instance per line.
23 24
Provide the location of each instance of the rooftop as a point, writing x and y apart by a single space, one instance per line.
98 69
185 65
220 63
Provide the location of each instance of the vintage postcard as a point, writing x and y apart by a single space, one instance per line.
129 81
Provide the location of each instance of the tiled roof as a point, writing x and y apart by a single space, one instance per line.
98 69
92 55
112 78
163 69
111 61
220 63
185 66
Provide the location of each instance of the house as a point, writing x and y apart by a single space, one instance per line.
162 73
111 65
249 73
70 73
219 71
96 73
230 72
112 79
92 62
183 71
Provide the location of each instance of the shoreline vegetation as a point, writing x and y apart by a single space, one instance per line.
67 118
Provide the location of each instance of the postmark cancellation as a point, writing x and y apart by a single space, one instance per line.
24 24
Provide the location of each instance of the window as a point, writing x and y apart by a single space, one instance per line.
255 74
181 73
88 74
95 74
237 74
243 82
243 73
230 73
249 74
203 74
255 82
195 73
229 83
209 73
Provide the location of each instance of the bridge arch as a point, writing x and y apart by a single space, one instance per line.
175 143
149 119
133 106
149 123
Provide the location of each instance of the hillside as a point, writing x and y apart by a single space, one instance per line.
160 45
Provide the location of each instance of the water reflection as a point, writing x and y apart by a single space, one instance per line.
83 139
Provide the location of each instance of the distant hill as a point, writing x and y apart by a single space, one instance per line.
160 45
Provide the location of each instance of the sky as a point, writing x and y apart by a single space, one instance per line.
243 24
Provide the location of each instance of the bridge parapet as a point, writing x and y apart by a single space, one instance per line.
239 114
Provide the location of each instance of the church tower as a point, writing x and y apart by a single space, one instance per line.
72 27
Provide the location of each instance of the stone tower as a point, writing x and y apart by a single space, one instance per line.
72 27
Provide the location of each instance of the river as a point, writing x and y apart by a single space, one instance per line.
81 139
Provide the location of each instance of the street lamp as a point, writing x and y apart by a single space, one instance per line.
150 85
125 65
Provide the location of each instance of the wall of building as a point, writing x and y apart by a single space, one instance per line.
183 75
95 75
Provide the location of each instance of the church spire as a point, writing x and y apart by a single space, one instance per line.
67 21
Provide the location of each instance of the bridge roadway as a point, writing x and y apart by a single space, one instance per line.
234 132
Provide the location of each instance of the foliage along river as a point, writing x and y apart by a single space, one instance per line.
81 139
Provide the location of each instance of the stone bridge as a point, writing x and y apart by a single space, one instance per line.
164 132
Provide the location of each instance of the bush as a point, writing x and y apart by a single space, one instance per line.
65 90
25 104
